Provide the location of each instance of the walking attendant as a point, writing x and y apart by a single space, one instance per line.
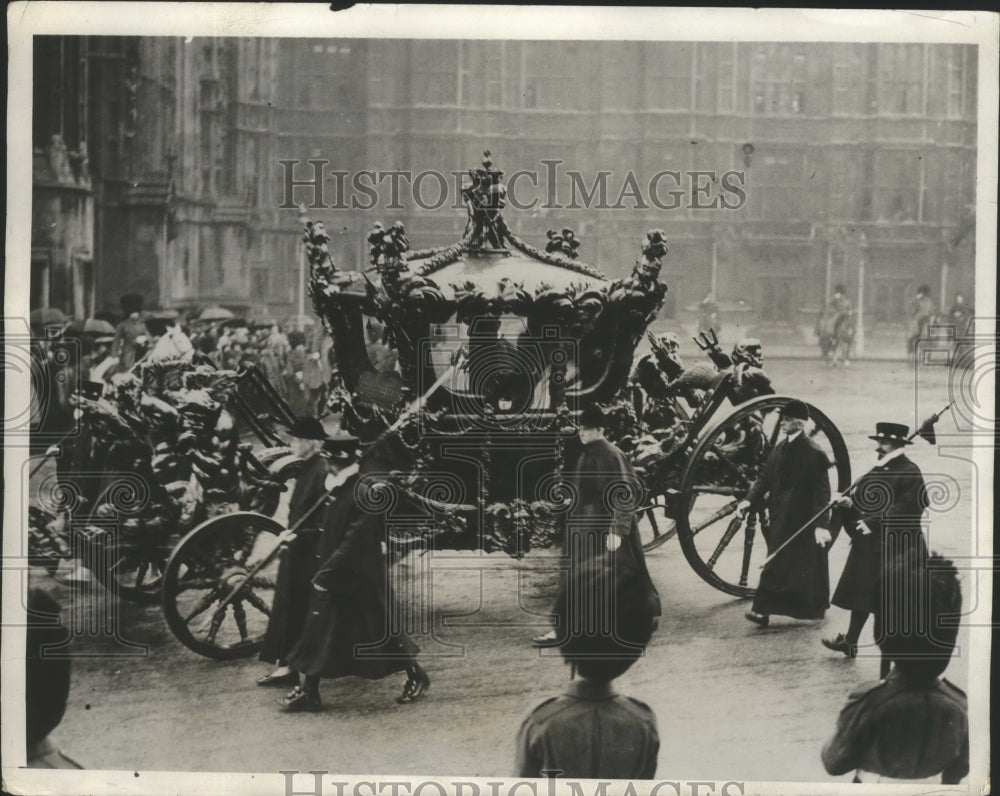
796 487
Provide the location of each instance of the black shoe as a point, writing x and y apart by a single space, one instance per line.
291 678
758 619
415 687
841 644
298 701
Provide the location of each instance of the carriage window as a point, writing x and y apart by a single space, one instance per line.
514 370
447 339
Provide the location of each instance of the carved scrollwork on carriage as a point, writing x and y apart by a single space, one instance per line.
501 339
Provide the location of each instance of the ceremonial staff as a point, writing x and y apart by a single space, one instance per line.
926 431
413 407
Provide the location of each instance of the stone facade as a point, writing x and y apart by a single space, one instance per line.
857 161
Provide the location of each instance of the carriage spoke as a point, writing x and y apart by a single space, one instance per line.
724 460
240 615
217 619
727 537
775 433
202 605
725 511
140 573
257 603
748 538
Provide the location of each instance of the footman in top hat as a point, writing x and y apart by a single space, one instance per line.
883 519
796 486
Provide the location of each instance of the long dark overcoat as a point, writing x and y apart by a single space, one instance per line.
796 484
607 494
299 562
353 628
890 501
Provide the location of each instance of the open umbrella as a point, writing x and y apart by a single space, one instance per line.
215 314
47 316
93 326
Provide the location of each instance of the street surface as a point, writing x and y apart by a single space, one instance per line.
733 702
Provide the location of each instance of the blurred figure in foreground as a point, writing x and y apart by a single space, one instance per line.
590 731
912 725
47 680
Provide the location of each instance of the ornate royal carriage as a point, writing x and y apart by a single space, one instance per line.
497 346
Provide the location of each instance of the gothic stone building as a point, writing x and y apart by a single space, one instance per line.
158 163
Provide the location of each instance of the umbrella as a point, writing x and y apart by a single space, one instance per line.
47 316
215 314
263 323
90 326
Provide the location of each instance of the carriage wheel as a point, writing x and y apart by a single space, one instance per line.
655 528
211 563
724 550
133 570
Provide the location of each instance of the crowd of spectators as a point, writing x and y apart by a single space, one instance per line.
297 359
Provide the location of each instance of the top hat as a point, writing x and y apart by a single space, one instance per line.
891 432
840 288
795 408
308 428
341 448
591 417
924 290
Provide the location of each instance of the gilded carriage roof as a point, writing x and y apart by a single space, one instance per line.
489 273
487 268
